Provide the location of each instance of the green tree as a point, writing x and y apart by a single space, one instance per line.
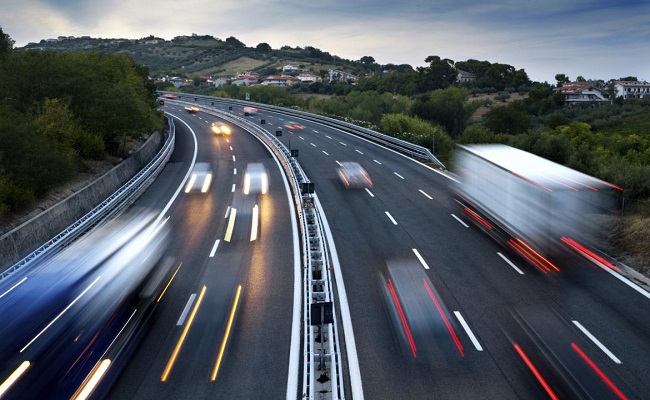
234 42
562 79
264 47
507 119
439 74
447 107
6 44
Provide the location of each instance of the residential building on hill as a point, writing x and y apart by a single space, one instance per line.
582 92
632 89
465 77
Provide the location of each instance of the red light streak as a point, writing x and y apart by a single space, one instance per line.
600 373
535 372
402 317
589 254
531 181
563 184
477 217
532 256
444 318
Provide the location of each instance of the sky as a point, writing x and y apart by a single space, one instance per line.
595 39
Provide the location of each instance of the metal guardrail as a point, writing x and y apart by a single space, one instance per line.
399 145
108 208
322 367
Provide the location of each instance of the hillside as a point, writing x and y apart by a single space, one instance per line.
203 55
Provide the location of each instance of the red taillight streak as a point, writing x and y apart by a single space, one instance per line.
345 180
367 178
444 318
535 372
589 254
531 255
563 184
476 217
580 183
402 317
600 373
531 181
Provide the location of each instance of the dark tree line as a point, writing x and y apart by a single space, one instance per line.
59 109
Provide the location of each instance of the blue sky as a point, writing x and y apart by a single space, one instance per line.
599 39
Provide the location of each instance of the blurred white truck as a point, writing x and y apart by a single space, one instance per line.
537 207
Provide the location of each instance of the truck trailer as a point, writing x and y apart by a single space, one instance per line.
539 208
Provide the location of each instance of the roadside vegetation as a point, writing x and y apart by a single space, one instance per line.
59 111
424 105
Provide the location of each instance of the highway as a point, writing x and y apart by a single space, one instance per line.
226 317
502 300
222 326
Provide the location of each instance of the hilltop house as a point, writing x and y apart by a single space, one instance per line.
582 92
279 80
465 77
632 89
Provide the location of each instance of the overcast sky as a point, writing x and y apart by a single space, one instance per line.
597 39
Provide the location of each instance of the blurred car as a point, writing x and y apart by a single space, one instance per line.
352 175
256 179
193 109
220 128
420 319
170 96
250 111
292 125
200 178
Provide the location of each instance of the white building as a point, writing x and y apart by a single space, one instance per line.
290 68
582 92
308 78
465 77
632 89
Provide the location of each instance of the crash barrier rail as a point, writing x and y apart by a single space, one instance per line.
322 367
108 208
399 145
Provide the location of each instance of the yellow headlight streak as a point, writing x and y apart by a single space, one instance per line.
222 349
14 377
177 349
231 224
255 222
247 183
206 183
169 283
190 184
93 381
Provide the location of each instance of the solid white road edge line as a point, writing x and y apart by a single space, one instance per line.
350 345
597 342
187 175
296 323
468 331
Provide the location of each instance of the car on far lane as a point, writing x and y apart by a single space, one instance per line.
193 109
250 111
292 125
352 175
220 128
200 179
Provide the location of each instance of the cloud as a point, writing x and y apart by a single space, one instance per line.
595 38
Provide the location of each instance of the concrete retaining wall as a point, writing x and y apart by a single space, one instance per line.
27 237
